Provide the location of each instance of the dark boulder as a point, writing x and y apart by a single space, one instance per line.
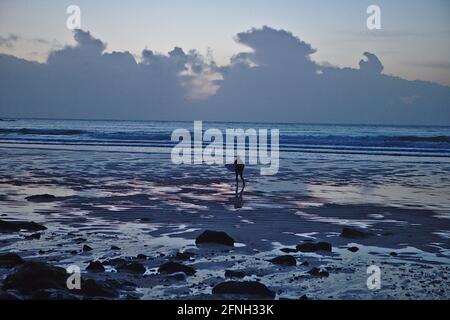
33 276
318 273
134 267
94 288
41 198
11 226
289 250
177 276
87 248
95 266
33 236
354 234
10 260
115 248
141 256
215 237
353 249
314 247
286 260
251 288
173 267
183 256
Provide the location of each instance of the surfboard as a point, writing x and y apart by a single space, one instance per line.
231 167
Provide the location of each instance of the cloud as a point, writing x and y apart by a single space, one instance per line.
8 41
275 81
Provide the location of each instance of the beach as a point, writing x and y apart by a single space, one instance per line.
112 186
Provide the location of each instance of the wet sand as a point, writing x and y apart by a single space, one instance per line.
124 205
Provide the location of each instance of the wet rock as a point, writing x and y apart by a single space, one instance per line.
10 260
135 267
314 247
215 237
286 260
33 276
183 256
234 274
41 198
80 240
354 234
116 262
94 288
173 267
115 248
177 276
95 266
252 288
318 273
12 226
34 236
304 297
87 248
393 254
141 256
353 249
289 250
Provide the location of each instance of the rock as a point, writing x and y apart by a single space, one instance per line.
286 260
234 274
10 260
94 288
183 256
304 297
177 276
252 288
87 248
173 267
318 273
41 198
289 250
34 236
116 262
141 256
33 276
353 249
135 267
314 247
10 226
95 266
354 234
115 248
393 254
80 240
215 237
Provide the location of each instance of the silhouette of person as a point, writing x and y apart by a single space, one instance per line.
239 170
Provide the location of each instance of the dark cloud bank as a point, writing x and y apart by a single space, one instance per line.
276 81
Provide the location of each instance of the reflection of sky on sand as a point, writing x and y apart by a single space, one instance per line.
358 222
393 195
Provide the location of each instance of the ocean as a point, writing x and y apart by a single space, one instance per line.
144 136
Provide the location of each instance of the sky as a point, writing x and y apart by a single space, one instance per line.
413 42
290 43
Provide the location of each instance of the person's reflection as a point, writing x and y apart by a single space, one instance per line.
239 200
